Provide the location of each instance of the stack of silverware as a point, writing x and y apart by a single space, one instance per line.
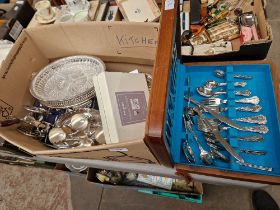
205 122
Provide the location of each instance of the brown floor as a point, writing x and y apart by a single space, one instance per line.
32 189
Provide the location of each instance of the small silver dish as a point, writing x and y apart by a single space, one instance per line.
67 82
77 128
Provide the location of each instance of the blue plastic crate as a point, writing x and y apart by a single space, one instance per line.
261 85
193 198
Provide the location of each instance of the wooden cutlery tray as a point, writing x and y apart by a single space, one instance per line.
260 85
165 130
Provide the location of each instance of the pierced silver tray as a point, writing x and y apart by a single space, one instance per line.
66 82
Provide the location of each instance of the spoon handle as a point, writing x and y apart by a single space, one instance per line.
242 93
253 152
254 108
253 100
262 129
255 138
238 76
263 168
240 84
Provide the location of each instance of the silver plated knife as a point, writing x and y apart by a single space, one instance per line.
219 137
218 116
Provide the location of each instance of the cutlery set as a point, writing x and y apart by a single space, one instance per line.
205 123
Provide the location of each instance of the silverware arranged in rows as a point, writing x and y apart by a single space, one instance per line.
207 157
204 156
218 101
214 84
209 92
229 122
222 74
213 144
253 108
211 128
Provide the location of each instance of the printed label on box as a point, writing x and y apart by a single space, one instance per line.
132 107
163 182
16 30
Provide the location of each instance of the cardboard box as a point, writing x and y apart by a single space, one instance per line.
17 18
254 50
194 196
122 101
122 46
139 11
7 7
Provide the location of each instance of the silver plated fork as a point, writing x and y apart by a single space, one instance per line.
213 101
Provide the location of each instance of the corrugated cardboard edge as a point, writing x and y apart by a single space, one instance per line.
85 149
107 28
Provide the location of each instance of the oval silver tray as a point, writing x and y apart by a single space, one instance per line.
66 82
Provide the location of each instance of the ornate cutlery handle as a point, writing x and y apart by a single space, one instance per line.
242 93
253 100
238 76
257 129
240 84
259 119
251 138
253 152
263 168
186 147
255 108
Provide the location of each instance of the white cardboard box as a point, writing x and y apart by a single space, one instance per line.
122 100
139 10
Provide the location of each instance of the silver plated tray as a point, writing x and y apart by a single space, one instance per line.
66 82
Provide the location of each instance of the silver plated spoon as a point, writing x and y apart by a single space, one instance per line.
208 92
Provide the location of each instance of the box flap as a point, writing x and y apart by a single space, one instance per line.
15 74
117 41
